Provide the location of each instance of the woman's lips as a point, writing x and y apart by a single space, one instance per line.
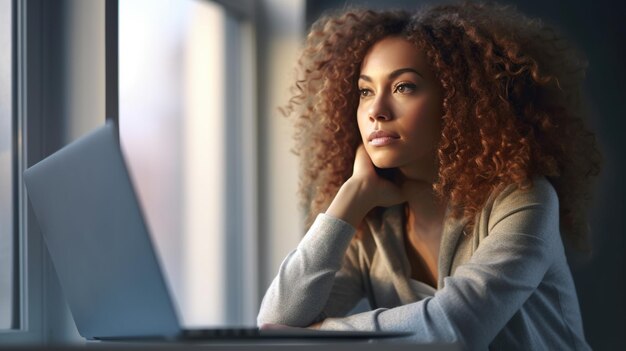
382 141
381 138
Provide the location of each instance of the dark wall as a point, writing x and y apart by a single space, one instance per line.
597 29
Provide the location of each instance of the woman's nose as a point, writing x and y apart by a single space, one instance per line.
379 111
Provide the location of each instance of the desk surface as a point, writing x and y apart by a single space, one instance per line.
266 345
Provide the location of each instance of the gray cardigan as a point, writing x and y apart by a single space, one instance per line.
506 286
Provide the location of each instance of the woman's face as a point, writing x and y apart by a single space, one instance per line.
399 113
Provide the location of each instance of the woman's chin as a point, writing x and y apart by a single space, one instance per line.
383 158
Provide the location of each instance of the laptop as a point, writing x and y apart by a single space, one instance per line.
92 223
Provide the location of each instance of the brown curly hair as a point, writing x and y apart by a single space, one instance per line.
512 105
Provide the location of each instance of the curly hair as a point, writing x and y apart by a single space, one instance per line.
512 106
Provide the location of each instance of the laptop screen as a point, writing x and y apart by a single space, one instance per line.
93 227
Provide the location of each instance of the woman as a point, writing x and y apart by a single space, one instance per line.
444 154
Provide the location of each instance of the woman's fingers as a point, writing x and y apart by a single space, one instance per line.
363 191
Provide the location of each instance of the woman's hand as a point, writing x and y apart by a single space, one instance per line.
363 191
377 191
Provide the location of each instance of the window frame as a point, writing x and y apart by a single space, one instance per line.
12 232
26 114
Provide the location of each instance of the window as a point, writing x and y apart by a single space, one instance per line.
186 127
53 90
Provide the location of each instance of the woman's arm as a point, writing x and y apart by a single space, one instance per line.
319 279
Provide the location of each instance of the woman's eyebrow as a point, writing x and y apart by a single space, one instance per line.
393 74
398 72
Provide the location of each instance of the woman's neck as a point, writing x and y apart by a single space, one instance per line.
425 209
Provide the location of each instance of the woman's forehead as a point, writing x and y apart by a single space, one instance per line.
392 53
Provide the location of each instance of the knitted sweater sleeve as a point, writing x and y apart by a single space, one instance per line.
317 280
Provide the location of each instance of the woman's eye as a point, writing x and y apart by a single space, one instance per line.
405 88
365 92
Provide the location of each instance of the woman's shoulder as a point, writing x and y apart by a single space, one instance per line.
532 209
539 191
